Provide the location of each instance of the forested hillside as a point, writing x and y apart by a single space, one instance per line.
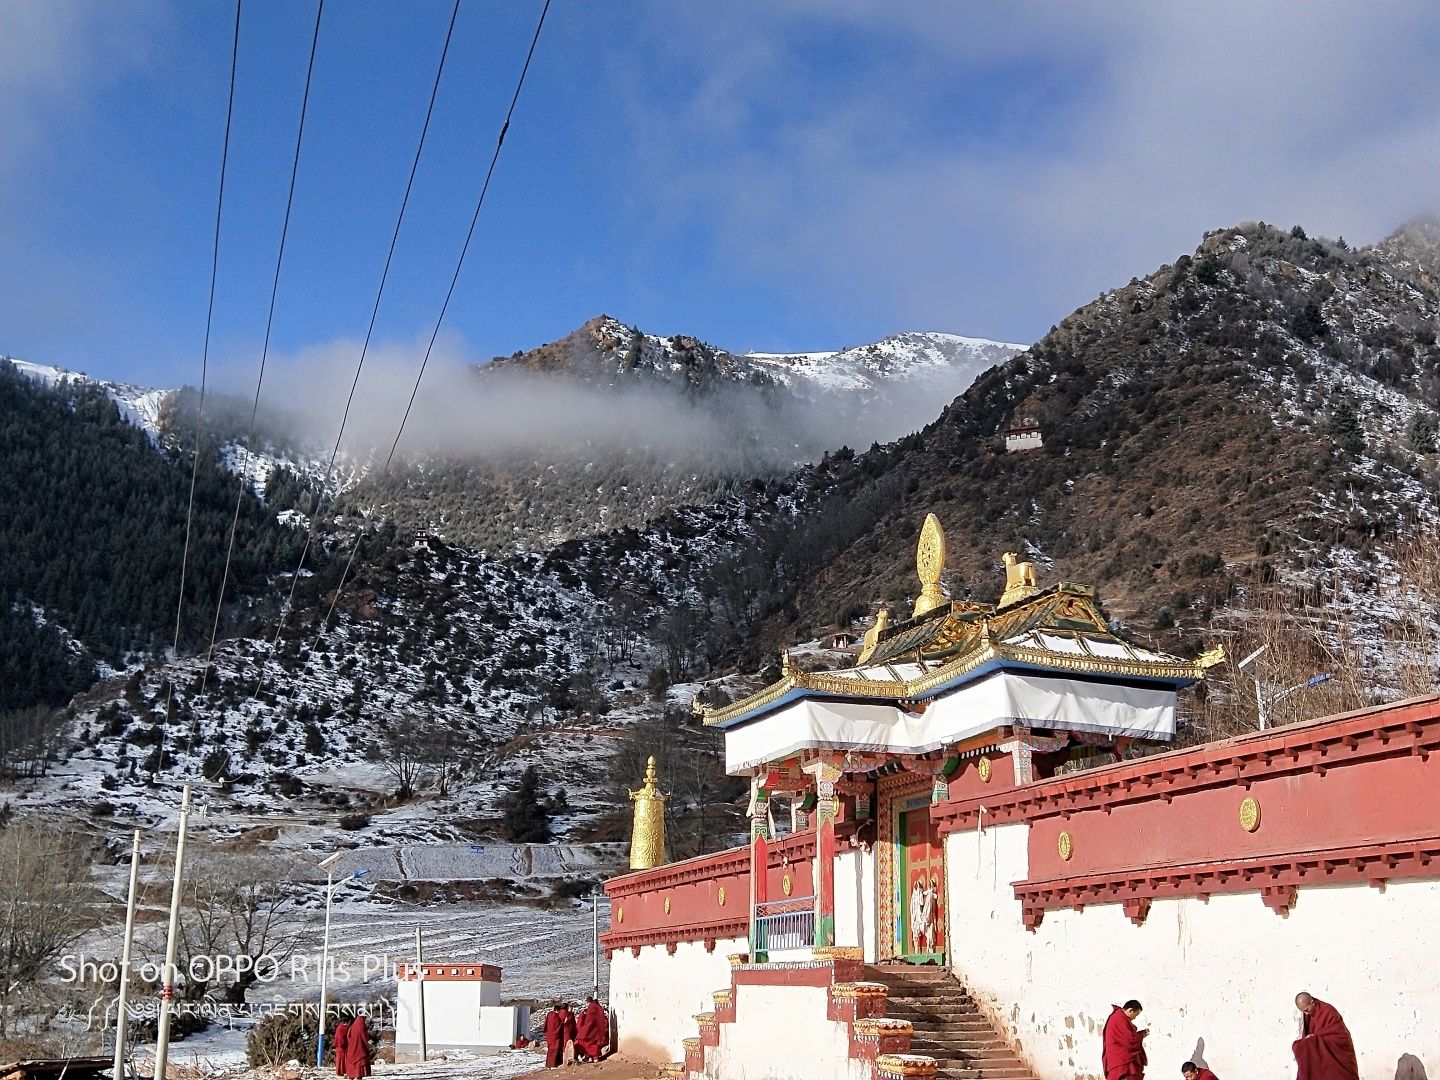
1262 411
92 528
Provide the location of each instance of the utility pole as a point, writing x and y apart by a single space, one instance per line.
419 989
167 994
122 1015
595 911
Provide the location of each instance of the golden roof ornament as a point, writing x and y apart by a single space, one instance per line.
647 836
1211 657
929 565
872 636
1019 579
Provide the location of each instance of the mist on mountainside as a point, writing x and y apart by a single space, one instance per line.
741 417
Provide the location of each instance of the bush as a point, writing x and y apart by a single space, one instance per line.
354 822
282 1037
103 808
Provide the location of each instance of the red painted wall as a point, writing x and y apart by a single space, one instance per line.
1362 789
638 915
1378 801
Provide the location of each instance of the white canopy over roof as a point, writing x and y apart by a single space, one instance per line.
1001 699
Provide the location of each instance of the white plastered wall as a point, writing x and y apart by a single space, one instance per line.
655 996
1217 978
457 1014
781 1033
855 901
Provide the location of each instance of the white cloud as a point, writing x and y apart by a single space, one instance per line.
1118 134
55 54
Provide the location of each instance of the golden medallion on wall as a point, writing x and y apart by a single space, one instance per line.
982 769
1065 846
786 885
667 905
1249 813
620 915
720 896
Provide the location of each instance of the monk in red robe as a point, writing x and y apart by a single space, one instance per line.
1324 1050
357 1049
339 1048
591 1032
1123 1051
559 1029
1191 1071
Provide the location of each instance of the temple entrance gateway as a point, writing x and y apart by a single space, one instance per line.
922 876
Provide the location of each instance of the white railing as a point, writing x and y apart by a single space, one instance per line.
781 925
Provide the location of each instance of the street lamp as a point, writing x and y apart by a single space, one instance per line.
1261 702
331 887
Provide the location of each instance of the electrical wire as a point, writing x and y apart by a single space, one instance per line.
204 376
364 351
444 307
265 348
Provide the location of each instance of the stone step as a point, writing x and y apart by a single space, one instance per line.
935 1002
938 998
981 1046
944 1010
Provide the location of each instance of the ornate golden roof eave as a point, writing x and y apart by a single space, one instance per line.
830 683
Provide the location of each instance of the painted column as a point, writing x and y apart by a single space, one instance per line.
827 805
759 860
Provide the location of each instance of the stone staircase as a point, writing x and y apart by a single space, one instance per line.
949 1026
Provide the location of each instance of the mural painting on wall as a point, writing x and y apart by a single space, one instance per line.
922 936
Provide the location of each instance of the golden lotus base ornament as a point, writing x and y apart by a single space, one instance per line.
1249 813
893 1066
1065 846
838 952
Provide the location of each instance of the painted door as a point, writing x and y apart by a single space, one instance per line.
923 888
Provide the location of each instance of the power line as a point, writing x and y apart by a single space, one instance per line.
444 307
265 348
364 351
204 374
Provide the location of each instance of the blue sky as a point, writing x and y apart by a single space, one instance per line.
775 176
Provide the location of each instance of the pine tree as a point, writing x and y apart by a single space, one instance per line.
527 811
1344 426
1423 433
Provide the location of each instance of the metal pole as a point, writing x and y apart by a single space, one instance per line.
324 969
420 988
121 1015
167 995
595 908
1260 703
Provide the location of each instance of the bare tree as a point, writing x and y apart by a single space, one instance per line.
1295 643
237 906
26 738
43 908
1413 594
405 753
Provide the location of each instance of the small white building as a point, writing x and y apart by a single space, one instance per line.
453 1007
1024 435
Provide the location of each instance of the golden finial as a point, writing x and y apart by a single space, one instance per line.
1019 579
872 636
647 837
929 565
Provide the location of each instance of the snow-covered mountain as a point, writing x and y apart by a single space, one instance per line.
900 357
143 406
